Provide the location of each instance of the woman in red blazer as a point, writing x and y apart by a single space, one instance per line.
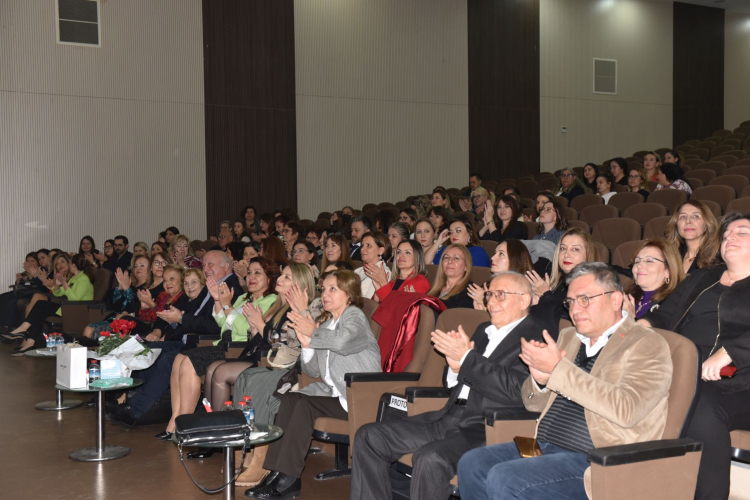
408 271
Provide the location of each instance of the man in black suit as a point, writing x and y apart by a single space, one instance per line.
359 226
121 258
195 320
484 372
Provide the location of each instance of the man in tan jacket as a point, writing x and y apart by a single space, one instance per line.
605 383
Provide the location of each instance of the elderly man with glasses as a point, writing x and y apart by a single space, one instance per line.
605 383
482 372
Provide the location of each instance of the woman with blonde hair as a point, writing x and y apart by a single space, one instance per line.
296 290
453 277
575 246
637 182
694 231
179 249
141 248
657 270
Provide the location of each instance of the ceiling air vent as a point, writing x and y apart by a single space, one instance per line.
605 76
78 22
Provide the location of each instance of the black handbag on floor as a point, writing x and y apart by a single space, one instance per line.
212 428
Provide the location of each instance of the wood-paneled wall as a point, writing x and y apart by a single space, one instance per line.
250 107
503 87
698 71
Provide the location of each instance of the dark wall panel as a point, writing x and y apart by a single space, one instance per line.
251 140
698 93
503 87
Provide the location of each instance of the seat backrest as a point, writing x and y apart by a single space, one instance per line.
432 271
531 229
720 150
101 285
704 174
720 194
580 224
603 252
570 213
726 159
586 200
714 207
741 205
701 153
323 223
623 254
547 183
732 141
624 200
656 227
480 275
489 246
369 309
422 340
692 163
685 386
736 182
694 183
450 319
644 212
593 214
528 188
743 170
717 166
614 232
562 201
670 198
737 153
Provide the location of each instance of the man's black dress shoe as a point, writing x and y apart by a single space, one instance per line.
201 453
121 416
282 487
164 436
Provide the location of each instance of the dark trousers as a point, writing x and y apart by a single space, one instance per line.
715 416
38 314
437 447
296 417
156 378
9 309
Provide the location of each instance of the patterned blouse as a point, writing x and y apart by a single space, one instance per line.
678 184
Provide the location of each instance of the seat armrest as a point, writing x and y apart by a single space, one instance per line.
365 377
491 415
81 303
208 336
99 305
642 452
413 393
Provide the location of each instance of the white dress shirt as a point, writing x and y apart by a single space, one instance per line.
307 355
368 287
496 336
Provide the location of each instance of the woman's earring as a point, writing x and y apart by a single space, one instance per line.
666 280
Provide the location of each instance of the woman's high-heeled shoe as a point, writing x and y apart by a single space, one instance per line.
14 336
164 436
22 352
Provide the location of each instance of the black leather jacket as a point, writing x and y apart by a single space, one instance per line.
733 327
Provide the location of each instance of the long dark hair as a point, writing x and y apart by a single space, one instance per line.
90 240
561 224
83 265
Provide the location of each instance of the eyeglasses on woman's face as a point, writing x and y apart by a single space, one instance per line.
646 261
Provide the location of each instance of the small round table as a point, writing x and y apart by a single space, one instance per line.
100 452
274 433
58 403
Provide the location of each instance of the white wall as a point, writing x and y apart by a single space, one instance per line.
382 100
636 33
736 70
100 141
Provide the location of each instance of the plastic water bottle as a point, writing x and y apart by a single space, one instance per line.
95 372
50 341
60 340
250 415
228 406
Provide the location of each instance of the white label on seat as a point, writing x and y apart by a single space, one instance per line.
398 403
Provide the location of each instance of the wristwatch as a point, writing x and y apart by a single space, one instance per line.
227 307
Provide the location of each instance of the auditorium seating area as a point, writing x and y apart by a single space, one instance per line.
718 170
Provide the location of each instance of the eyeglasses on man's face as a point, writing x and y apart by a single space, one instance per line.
499 295
583 300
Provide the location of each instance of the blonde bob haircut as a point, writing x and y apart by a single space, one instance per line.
177 238
672 260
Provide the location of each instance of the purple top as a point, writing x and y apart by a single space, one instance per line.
644 305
